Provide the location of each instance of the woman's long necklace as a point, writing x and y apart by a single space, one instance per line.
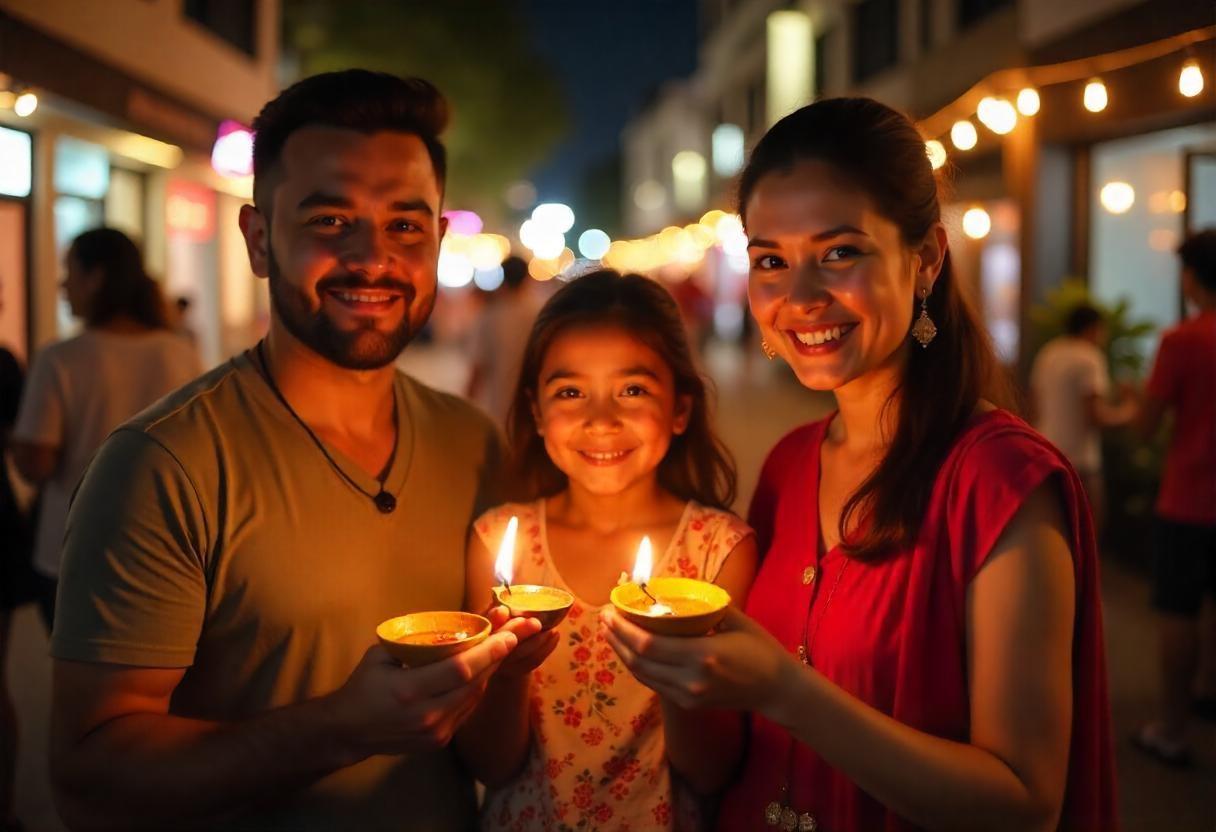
780 812
383 500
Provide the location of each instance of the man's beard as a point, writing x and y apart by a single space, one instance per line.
363 348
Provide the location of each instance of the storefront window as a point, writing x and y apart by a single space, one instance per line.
15 164
1139 197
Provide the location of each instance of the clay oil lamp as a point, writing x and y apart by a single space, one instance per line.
668 606
421 638
547 604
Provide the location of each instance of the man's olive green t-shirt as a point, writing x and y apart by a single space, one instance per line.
211 533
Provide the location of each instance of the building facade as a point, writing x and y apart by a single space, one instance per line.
1035 191
131 96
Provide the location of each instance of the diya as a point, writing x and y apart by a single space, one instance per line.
421 638
669 606
548 605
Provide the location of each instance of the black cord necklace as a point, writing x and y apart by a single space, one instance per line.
383 500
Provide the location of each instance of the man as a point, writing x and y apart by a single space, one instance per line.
231 550
498 344
1184 572
1070 384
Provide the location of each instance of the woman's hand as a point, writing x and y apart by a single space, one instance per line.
740 666
534 645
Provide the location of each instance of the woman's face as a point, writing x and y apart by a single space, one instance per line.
80 285
832 284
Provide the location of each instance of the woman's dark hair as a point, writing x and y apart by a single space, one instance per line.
126 289
697 465
878 150
1081 317
1198 253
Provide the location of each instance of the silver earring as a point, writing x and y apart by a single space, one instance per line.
924 330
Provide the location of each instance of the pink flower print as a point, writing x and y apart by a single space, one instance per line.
582 653
662 812
582 795
697 525
642 721
594 737
561 809
582 676
576 610
605 677
620 789
686 567
573 717
603 654
614 766
603 813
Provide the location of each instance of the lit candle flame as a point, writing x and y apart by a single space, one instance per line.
504 564
643 563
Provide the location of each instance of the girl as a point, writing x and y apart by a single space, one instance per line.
924 646
612 440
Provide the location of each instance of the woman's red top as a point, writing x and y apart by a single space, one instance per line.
894 633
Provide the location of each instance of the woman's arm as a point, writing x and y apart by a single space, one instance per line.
1019 623
493 743
705 745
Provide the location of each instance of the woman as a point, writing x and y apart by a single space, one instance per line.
82 388
924 641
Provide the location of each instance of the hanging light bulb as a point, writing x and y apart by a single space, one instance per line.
997 115
976 223
1095 96
936 151
1028 101
25 104
963 135
1190 80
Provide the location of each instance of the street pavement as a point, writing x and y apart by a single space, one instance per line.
758 403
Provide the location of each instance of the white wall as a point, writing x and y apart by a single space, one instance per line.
153 41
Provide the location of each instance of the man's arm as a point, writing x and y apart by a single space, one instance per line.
121 761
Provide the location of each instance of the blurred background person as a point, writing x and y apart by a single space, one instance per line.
1183 384
16 580
82 388
498 343
1070 390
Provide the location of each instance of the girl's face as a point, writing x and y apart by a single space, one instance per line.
607 408
832 284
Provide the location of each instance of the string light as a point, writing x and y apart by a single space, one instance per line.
936 151
1095 97
997 115
976 223
963 135
1190 79
1028 101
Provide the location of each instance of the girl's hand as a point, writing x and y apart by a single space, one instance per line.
740 667
534 645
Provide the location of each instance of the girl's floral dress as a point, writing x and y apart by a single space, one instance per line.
597 760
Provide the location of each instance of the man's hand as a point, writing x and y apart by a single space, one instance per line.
384 708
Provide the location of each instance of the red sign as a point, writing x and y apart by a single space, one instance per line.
190 210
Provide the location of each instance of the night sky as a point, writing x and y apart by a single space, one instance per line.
610 56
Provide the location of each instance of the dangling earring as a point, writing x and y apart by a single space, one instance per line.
924 330
768 351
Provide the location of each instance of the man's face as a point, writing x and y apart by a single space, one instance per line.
352 243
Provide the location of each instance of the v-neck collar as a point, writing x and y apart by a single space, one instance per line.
403 452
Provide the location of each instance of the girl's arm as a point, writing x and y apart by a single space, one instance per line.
1019 629
705 745
493 743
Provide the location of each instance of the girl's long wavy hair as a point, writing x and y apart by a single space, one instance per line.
698 465
880 151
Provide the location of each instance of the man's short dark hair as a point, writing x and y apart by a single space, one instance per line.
352 99
1198 253
1081 318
